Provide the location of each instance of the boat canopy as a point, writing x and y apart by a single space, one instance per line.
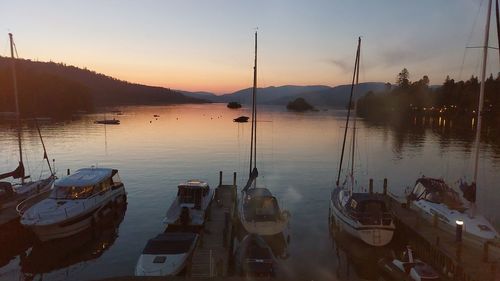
192 192
260 205
368 209
170 244
436 191
87 176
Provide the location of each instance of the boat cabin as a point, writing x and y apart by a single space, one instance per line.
436 191
191 193
261 205
86 183
368 209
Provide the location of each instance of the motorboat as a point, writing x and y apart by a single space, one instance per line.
190 206
167 254
261 214
408 268
433 197
75 203
362 215
254 258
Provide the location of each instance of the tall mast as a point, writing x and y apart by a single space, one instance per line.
356 65
253 142
18 121
354 121
481 91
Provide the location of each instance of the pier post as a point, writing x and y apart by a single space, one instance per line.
385 186
67 172
220 178
485 251
371 186
234 178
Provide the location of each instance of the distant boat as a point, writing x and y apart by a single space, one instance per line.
76 203
156 115
108 121
12 195
190 205
166 254
259 210
234 105
241 119
362 215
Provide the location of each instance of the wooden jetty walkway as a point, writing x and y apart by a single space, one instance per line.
462 261
212 255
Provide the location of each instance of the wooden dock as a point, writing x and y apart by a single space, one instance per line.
212 255
463 261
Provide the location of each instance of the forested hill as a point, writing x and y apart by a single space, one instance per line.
47 88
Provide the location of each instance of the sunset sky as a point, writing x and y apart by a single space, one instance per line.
208 45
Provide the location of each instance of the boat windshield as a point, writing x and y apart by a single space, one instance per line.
71 192
167 247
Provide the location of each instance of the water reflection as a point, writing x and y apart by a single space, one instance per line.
85 246
298 155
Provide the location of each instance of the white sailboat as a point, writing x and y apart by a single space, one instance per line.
258 210
433 197
12 195
362 215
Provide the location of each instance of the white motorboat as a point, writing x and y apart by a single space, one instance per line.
433 197
259 211
75 203
362 215
408 268
190 206
167 254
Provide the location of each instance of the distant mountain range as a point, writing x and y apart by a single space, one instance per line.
317 95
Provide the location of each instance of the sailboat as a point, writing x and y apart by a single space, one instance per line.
362 215
12 195
433 197
259 211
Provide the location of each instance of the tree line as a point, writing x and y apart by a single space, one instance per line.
453 99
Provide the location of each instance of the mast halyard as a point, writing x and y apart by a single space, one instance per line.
355 74
481 93
44 150
253 141
16 99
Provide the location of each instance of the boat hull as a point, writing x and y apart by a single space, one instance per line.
373 235
76 224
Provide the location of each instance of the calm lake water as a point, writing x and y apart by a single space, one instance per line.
297 159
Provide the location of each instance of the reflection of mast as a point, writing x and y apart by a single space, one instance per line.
16 99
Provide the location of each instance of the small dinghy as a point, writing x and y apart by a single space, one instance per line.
254 257
108 121
241 119
408 268
166 254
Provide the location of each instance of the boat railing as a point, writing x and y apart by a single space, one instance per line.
373 219
27 203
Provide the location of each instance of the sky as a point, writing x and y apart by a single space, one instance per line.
207 45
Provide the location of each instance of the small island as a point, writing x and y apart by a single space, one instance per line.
234 105
300 105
